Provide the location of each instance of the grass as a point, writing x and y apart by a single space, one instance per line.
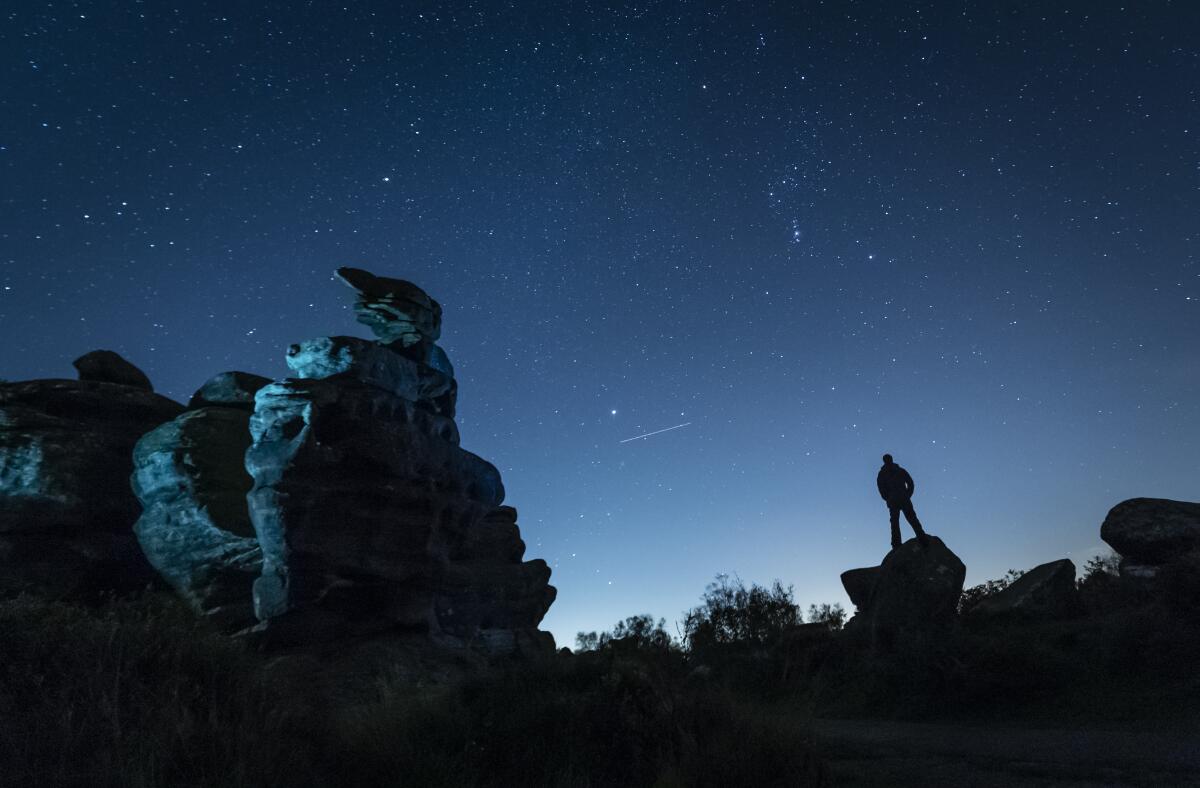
137 693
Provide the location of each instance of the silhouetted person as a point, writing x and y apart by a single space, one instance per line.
896 487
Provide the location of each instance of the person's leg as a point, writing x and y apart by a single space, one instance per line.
910 514
894 517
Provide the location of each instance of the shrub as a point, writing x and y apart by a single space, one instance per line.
732 614
834 616
972 596
640 632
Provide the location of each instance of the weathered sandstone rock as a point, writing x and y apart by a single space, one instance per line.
379 366
860 583
1047 590
106 366
397 311
1152 530
195 528
66 510
228 390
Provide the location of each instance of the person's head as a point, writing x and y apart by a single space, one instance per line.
887 459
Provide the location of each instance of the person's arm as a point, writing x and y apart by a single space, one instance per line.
879 484
909 484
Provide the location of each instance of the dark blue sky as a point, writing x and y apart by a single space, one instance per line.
965 233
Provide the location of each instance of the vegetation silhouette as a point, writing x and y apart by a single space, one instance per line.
138 692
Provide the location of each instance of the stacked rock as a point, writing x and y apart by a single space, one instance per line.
369 514
1151 534
66 509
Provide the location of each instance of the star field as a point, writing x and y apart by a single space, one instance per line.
965 234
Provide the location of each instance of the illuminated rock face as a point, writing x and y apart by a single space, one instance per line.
369 514
66 510
190 476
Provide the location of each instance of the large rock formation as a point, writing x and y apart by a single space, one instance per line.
190 476
914 594
1150 533
66 510
108 367
1047 590
369 514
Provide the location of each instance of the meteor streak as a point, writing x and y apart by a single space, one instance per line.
656 432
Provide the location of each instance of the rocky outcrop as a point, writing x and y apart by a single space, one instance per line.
369 514
396 311
66 510
229 390
915 594
106 366
379 366
1046 591
1152 531
190 477
859 584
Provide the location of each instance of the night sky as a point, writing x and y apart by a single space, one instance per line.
964 233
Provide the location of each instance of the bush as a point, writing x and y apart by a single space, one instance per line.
972 596
833 616
640 632
732 614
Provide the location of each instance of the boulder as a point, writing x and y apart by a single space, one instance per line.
105 366
1152 530
376 365
195 528
360 499
915 595
66 510
1047 590
397 311
860 583
228 390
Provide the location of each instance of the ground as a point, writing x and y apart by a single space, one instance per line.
888 753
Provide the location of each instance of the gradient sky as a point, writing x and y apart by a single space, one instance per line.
965 233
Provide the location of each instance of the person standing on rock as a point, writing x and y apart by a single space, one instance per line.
896 488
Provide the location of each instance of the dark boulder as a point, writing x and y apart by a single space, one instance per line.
1047 591
860 583
915 595
228 390
195 529
473 598
1152 530
494 538
66 510
105 366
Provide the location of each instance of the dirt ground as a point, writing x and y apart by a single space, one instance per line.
886 753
